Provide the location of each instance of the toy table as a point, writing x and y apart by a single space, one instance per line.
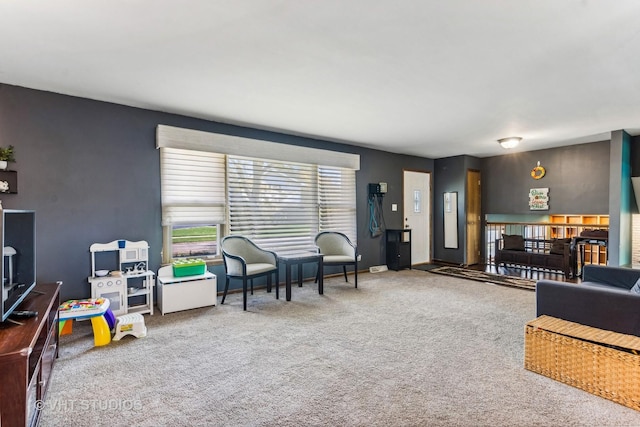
96 309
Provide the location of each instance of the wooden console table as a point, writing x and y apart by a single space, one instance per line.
27 353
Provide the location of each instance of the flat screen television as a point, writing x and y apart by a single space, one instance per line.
18 233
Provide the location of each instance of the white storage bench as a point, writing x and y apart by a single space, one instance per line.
184 293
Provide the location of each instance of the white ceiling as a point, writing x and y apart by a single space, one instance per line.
432 78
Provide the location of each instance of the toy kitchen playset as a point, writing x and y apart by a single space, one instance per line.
127 282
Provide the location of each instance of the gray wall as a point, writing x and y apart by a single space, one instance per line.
448 177
635 167
577 177
389 168
91 171
451 175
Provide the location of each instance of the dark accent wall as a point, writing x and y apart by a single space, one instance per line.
91 171
635 168
389 168
451 175
577 177
635 155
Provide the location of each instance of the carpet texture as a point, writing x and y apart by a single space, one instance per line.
406 348
481 276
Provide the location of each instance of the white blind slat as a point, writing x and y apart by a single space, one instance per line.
192 187
337 200
280 205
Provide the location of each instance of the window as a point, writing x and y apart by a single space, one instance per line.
337 197
211 188
194 240
273 203
282 205
193 202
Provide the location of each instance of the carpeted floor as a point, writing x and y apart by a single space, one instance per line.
482 276
406 348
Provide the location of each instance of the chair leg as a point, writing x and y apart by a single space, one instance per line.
244 292
226 288
355 273
344 268
251 286
277 285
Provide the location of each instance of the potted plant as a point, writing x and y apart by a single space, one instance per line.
6 155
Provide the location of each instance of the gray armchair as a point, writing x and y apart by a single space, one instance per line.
244 260
603 299
337 249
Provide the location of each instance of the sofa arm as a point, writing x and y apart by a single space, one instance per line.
620 277
611 309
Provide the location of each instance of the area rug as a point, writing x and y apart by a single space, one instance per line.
425 267
482 276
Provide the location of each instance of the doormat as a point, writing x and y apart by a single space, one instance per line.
425 267
481 276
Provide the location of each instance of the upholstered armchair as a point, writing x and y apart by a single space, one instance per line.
244 260
337 249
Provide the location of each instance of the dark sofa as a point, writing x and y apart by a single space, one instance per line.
534 253
603 299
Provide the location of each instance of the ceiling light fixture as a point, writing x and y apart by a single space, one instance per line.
510 142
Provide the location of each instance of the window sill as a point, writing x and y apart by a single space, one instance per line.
209 262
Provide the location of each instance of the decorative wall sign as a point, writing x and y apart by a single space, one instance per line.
539 199
537 172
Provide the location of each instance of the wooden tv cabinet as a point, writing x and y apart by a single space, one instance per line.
27 353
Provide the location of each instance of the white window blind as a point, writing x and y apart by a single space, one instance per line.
337 196
192 187
280 198
273 203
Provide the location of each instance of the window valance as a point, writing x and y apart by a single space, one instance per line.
189 139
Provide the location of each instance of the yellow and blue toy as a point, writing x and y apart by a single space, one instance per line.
96 309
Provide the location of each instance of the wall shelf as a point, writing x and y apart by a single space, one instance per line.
11 179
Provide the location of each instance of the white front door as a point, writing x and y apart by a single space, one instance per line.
417 214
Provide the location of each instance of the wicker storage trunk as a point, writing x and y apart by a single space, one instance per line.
601 362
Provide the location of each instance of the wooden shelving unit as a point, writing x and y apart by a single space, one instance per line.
567 226
563 226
